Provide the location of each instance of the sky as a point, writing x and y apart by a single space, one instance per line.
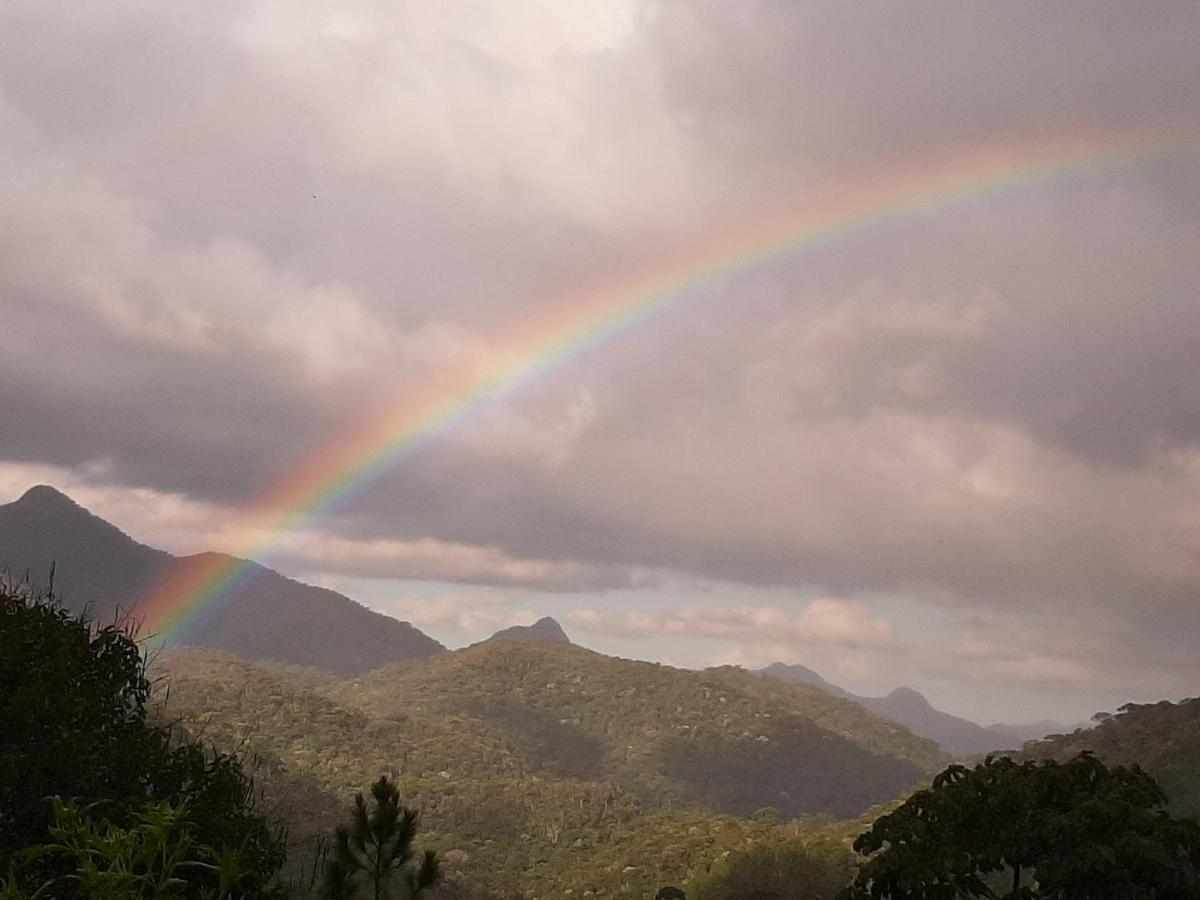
959 453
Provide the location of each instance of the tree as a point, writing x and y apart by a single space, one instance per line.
1071 831
377 848
74 724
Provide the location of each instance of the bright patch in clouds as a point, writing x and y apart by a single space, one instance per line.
823 621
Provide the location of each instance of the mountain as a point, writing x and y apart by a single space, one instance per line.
904 706
1163 738
265 615
722 739
804 675
958 737
545 629
541 768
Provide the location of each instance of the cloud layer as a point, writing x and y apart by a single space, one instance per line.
229 231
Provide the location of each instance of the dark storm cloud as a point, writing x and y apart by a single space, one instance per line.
228 231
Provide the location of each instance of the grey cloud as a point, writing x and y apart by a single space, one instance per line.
998 408
826 83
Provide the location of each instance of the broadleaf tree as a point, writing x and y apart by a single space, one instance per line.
1004 830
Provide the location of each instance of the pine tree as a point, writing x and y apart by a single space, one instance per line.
376 849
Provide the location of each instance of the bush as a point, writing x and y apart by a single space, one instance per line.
73 724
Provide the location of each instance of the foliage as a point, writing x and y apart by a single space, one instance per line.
481 741
157 857
73 724
1163 738
1072 831
376 848
783 870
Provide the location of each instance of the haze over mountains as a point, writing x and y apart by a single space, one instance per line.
955 735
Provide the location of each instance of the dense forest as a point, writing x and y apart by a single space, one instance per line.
549 768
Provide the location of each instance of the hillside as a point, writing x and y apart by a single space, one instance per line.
1163 738
722 739
97 565
904 706
541 767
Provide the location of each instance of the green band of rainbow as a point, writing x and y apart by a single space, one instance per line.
338 471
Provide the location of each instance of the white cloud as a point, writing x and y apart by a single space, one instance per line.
431 559
823 621
474 614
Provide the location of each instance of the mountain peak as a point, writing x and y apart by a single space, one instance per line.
545 628
43 495
98 567
909 697
48 514
803 675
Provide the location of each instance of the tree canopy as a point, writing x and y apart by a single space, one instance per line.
74 725
1037 829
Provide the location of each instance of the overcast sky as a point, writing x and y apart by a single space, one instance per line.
960 453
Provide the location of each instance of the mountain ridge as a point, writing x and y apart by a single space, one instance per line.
910 708
98 567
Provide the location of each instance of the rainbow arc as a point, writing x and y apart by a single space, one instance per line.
902 192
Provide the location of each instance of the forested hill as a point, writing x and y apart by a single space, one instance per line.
722 738
264 615
541 766
1163 738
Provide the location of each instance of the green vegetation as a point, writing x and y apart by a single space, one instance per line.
675 738
797 869
541 768
1163 738
376 849
157 856
73 725
1071 831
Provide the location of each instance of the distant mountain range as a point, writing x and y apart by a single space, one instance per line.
265 616
955 735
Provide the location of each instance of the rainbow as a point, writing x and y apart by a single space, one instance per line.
340 470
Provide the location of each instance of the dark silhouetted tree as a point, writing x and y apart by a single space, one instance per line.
1071 831
376 849
73 724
